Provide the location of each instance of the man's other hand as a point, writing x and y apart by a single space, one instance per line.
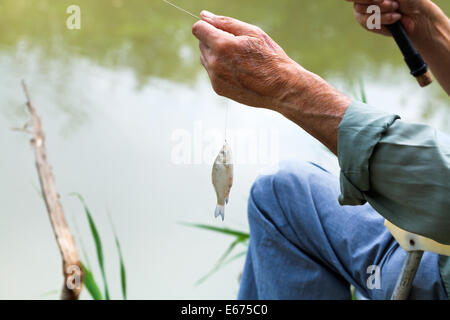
426 24
414 15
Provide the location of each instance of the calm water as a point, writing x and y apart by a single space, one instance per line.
133 125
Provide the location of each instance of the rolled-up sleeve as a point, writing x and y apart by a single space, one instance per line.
402 169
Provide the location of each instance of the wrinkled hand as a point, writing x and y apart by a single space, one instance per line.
243 62
426 24
413 14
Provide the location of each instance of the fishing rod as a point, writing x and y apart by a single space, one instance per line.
413 59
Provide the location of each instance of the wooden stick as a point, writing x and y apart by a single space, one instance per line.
72 270
407 274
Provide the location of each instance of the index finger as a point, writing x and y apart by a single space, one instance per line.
208 34
228 24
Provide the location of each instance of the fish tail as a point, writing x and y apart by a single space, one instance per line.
220 211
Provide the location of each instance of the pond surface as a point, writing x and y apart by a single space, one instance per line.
133 125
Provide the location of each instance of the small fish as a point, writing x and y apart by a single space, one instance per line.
222 179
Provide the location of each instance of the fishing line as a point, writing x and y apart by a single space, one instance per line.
222 173
195 16
181 9
226 120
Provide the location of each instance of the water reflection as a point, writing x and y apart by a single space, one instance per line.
155 39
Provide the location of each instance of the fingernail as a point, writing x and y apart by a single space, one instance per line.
207 15
396 16
395 5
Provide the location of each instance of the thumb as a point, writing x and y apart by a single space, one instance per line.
233 26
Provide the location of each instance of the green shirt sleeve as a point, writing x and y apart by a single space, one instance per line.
402 169
444 267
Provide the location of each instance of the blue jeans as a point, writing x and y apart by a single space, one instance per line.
304 245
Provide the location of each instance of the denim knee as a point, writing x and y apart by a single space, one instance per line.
273 195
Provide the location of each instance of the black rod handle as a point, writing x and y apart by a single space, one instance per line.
413 59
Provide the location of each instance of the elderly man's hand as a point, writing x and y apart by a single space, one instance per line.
415 15
244 63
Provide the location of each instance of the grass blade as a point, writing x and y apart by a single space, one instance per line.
98 243
49 293
228 251
123 275
231 232
91 284
235 257
363 90
80 241
241 237
220 263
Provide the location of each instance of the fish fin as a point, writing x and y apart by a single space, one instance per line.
220 211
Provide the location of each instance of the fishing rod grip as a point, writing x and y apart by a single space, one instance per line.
415 62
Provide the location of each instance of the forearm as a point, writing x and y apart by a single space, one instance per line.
315 106
433 42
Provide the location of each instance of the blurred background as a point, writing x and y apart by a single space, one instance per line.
124 96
